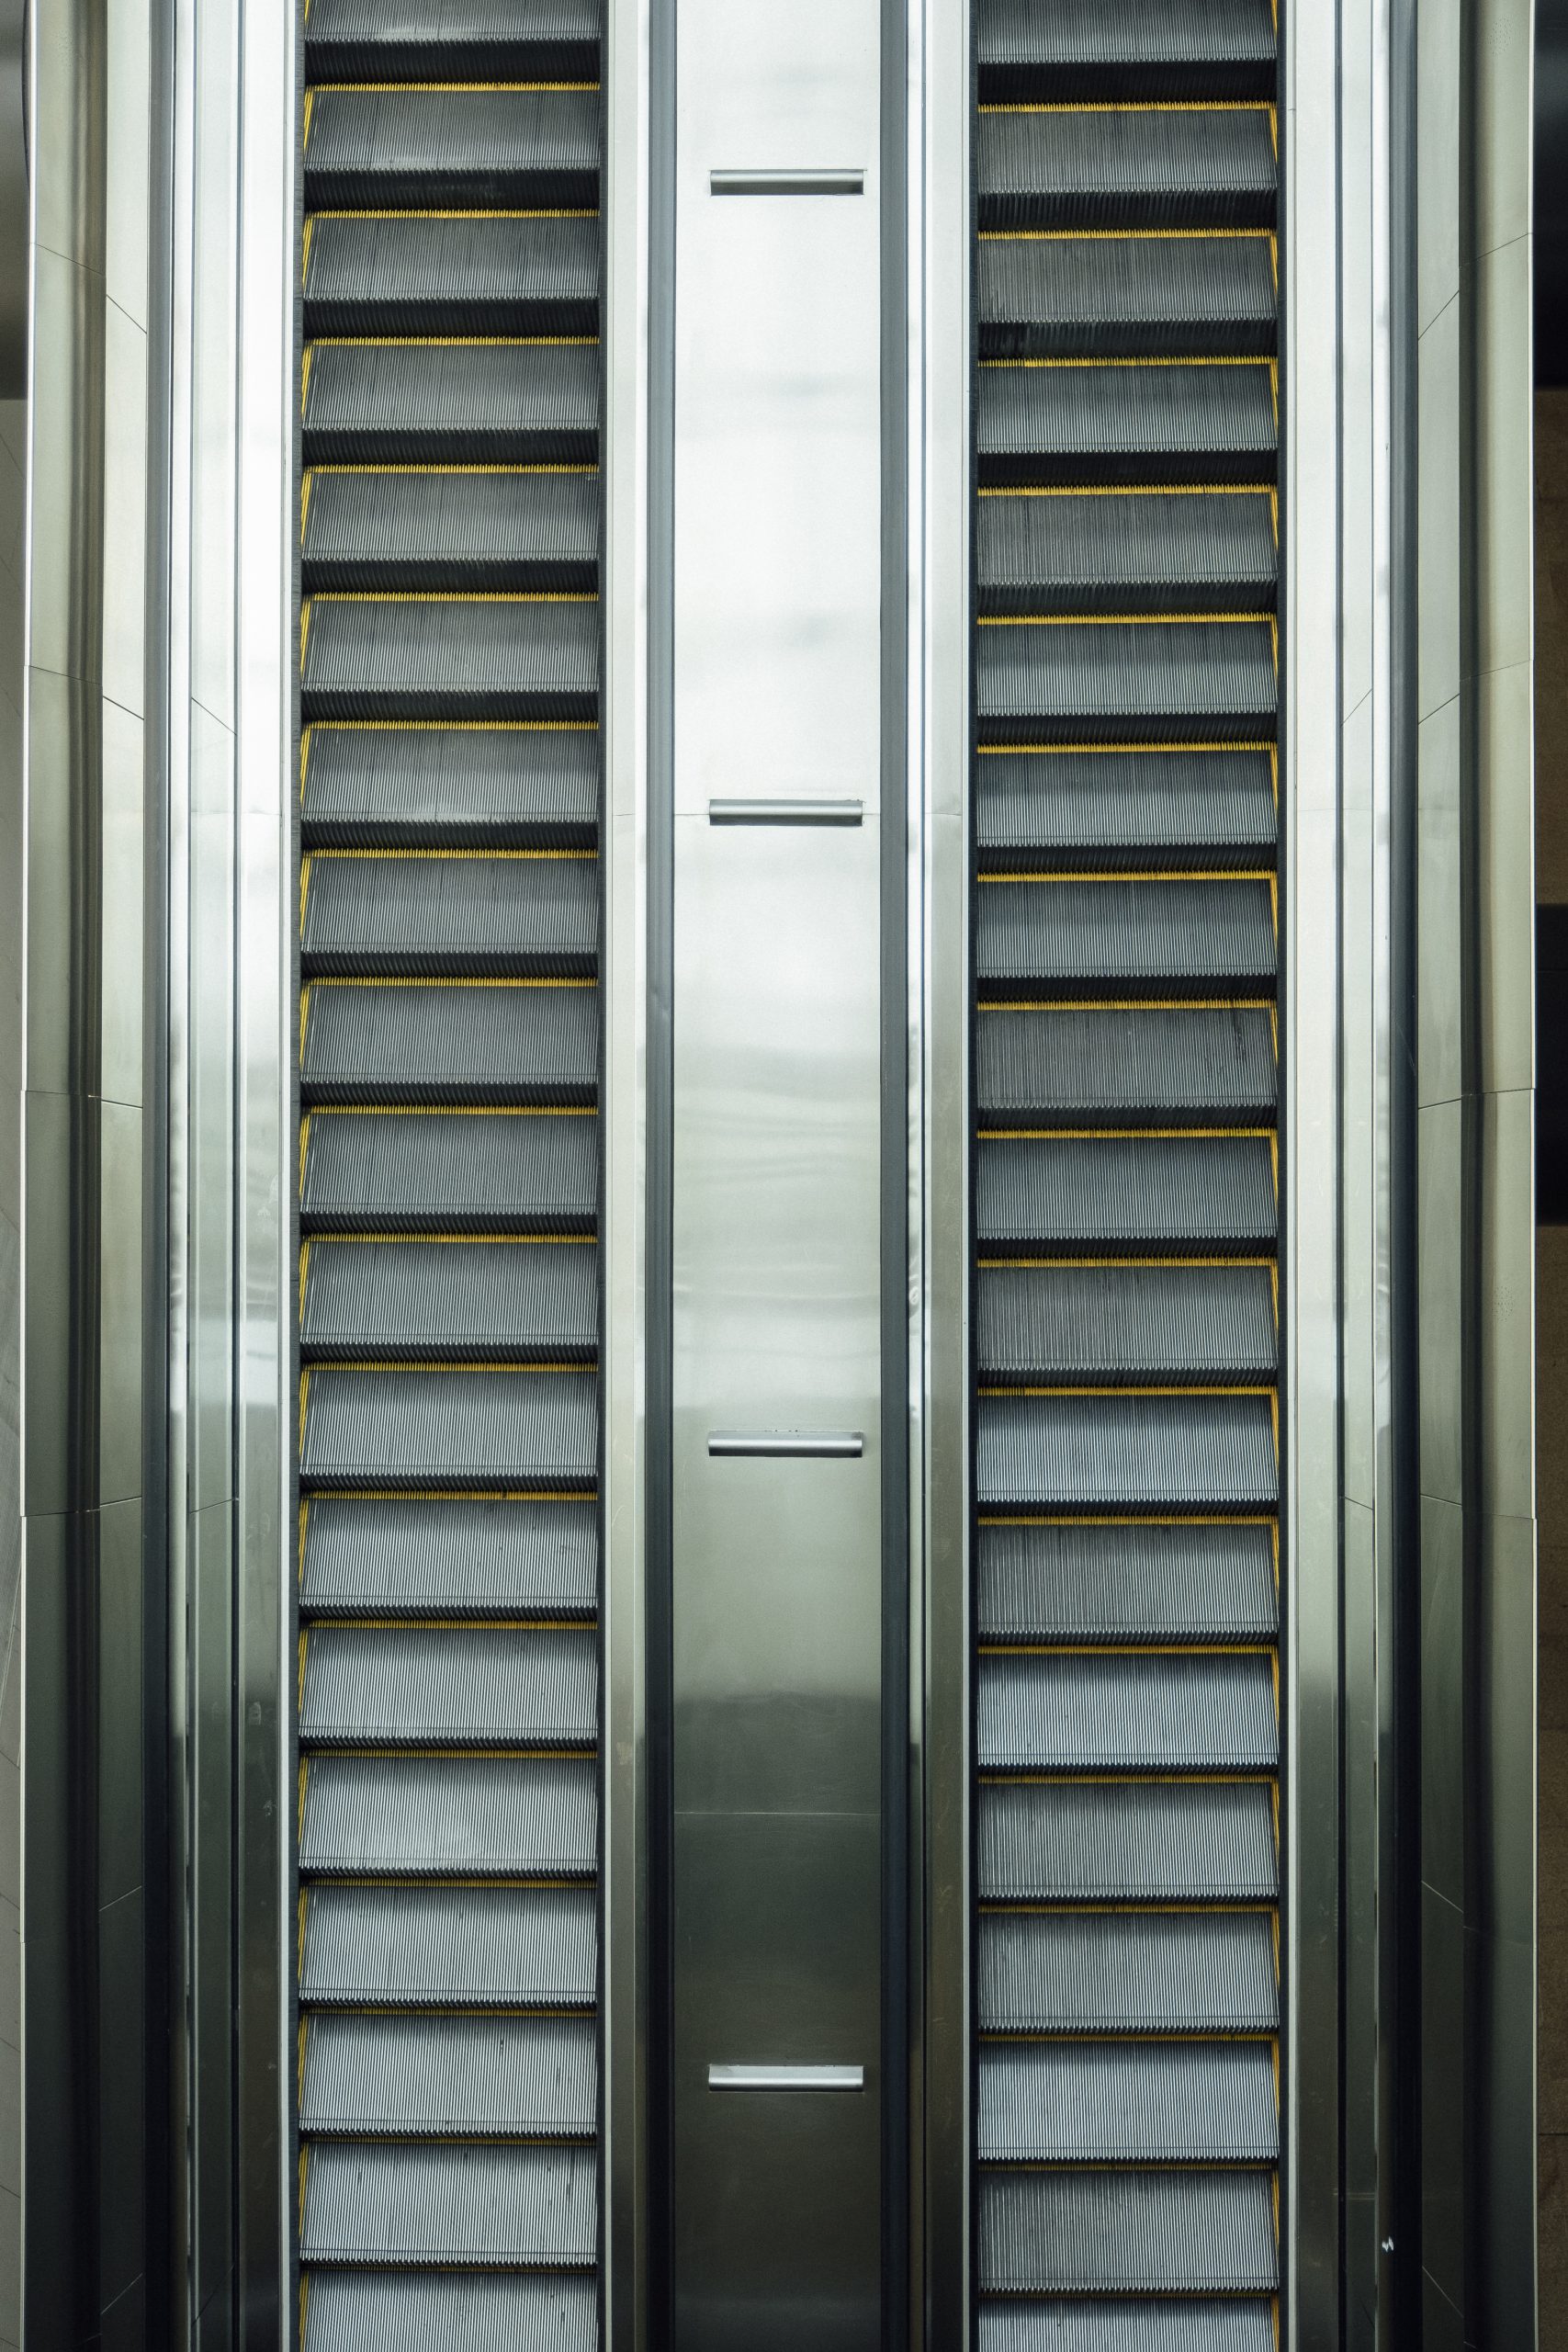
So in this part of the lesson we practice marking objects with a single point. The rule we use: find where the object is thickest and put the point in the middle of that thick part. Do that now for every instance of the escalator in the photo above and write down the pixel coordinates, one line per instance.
(447, 2096)
(1125, 1305)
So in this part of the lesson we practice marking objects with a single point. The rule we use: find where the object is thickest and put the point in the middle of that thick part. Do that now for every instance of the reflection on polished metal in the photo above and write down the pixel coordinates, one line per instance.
(778, 182)
(822, 1445)
(785, 813)
(14, 173)
(786, 2078)
(776, 1176)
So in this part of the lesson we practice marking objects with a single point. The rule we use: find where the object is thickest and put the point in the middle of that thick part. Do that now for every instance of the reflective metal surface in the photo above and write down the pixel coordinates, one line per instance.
(786, 183)
(785, 813)
(15, 175)
(786, 2078)
(784, 1445)
(776, 1180)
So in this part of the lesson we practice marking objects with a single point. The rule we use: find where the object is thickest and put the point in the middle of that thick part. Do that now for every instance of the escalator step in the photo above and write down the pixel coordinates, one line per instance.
(1124, 934)
(1066, 1066)
(413, 786)
(1188, 421)
(426, 144)
(1100, 50)
(1125, 681)
(532, 1302)
(451, 273)
(370, 2201)
(523, 401)
(387, 1556)
(1178, 1453)
(1086, 809)
(1032, 2323)
(406, 914)
(1127, 166)
(1179, 2231)
(511, 1430)
(450, 1687)
(1127, 1971)
(394, 1946)
(429, 657)
(476, 1041)
(1102, 1192)
(450, 1816)
(1171, 1581)
(404, 2311)
(1119, 1711)
(1131, 1841)
(382, 1172)
(1120, 2102)
(451, 528)
(406, 40)
(1105, 550)
(531, 2077)
(1043, 296)
(1120, 1322)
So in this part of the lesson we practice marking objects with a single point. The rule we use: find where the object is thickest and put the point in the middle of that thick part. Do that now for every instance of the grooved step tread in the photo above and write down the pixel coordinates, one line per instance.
(454, 146)
(1104, 1452)
(1102, 1711)
(412, 787)
(1121, 552)
(1072, 1069)
(393, 2076)
(452, 1042)
(1127, 168)
(529, 403)
(1127, 936)
(380, 1555)
(1097, 808)
(1067, 681)
(1126, 1972)
(450, 1687)
(1043, 296)
(1100, 49)
(367, 2201)
(529, 1302)
(451, 273)
(1131, 1841)
(438, 657)
(473, 527)
(1125, 1323)
(1165, 1581)
(1109, 423)
(392, 40)
(434, 1171)
(1158, 1193)
(1177, 2232)
(450, 1816)
(411, 2311)
(506, 1429)
(1127, 2102)
(457, 914)
(401, 1947)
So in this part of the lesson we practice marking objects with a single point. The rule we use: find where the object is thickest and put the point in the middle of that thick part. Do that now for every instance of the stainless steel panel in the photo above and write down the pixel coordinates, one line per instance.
(785, 813)
(777, 1616)
(787, 183)
(786, 2078)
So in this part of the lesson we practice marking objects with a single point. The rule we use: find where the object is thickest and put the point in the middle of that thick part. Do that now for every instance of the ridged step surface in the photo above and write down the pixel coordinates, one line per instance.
(442, 1685)
(1124, 422)
(450, 655)
(458, 1042)
(1040, 2323)
(1180, 2231)
(1082, 936)
(512, 785)
(1043, 296)
(410, 40)
(1214, 1065)
(1127, 2102)
(387, 1556)
(454, 2206)
(518, 913)
(423, 1816)
(535, 1302)
(1056, 1324)
(1100, 49)
(1198, 1452)
(482, 1946)
(1116, 1191)
(1120, 552)
(1176, 681)
(452, 402)
(457, 146)
(1128, 166)
(383, 273)
(452, 2077)
(1131, 1841)
(1066, 810)
(449, 1428)
(1123, 1710)
(529, 528)
(1115, 1972)
(1154, 1580)
(404, 2311)
(394, 1171)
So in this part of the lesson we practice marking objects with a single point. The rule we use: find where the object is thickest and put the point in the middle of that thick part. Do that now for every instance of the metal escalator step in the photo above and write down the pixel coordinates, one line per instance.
(1139, 1452)
(1120, 2102)
(1109, 808)
(436, 787)
(383, 401)
(1125, 1712)
(1102, 49)
(1079, 421)
(1123, 936)
(397, 40)
(432, 657)
(1122, 1323)
(1176, 1580)
(515, 1430)
(386, 1171)
(1067, 681)
(450, 528)
(451, 1042)
(404, 2310)
(450, 1816)
(1158, 1193)
(1177, 2232)
(1127, 1971)
(1063, 1068)
(396, 1947)
(1122, 551)
(1211, 166)
(528, 2208)
(1033, 2323)
(530, 1302)
(371, 1686)
(374, 2076)
(379, 1555)
(458, 912)
(451, 273)
(1128, 1841)
(1042, 295)
(386, 145)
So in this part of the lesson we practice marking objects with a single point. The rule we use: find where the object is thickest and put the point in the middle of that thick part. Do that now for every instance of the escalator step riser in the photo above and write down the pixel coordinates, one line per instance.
(1108, 1972)
(419, 915)
(387, 2076)
(446, 274)
(1125, 681)
(452, 146)
(1097, 808)
(1131, 423)
(1177, 2232)
(499, 1947)
(452, 402)
(415, 786)
(1172, 1582)
(1128, 936)
(1097, 51)
(1127, 168)
(1140, 2102)
(1032, 2323)
(447, 1687)
(444, 528)
(452, 1044)
(1132, 1323)
(1135, 1841)
(390, 1171)
(1116, 551)
(506, 1429)
(386, 1556)
(367, 2201)
(450, 1816)
(1105, 1712)
(1108, 1191)
(1069, 1068)
(400, 657)
(392, 2311)
(1108, 1452)
(1049, 296)
(526, 1301)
